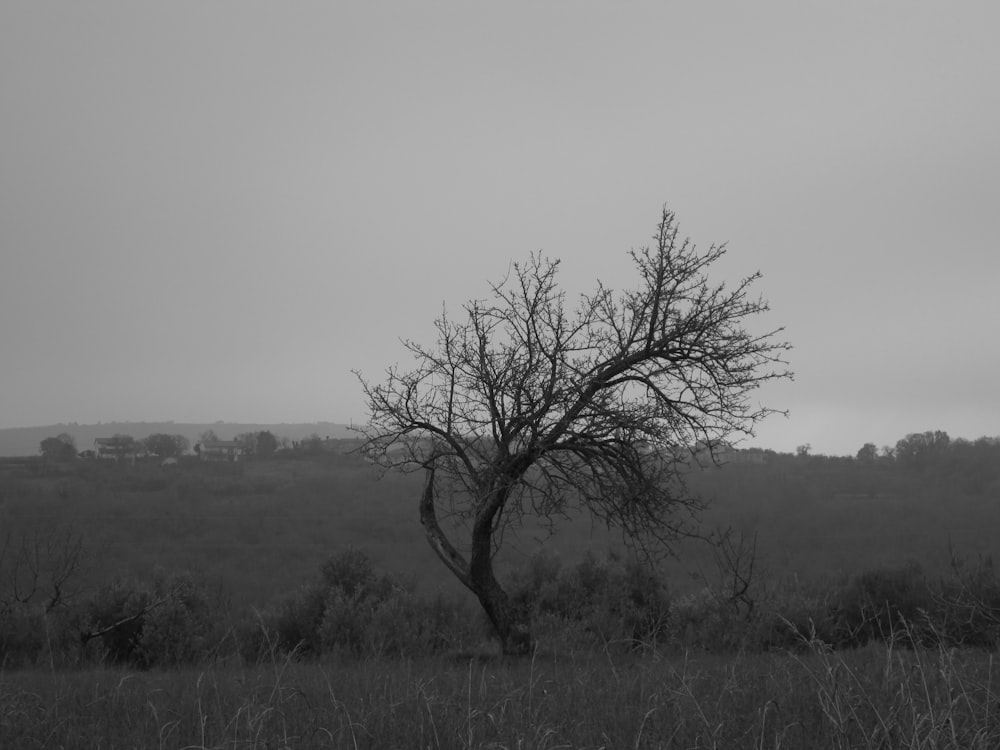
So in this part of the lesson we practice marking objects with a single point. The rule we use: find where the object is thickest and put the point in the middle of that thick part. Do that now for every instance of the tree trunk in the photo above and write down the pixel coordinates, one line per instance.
(512, 626)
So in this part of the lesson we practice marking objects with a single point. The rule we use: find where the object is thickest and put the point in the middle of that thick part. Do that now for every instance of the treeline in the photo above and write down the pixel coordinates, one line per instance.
(23, 441)
(62, 448)
(350, 610)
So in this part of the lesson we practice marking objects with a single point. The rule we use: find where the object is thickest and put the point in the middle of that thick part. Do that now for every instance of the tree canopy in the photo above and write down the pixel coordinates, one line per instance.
(166, 446)
(526, 404)
(59, 448)
(261, 443)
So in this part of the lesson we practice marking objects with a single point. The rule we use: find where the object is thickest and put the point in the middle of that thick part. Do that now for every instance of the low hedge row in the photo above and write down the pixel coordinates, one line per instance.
(352, 610)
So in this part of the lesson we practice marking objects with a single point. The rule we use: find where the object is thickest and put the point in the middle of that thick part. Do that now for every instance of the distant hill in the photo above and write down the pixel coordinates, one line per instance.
(25, 441)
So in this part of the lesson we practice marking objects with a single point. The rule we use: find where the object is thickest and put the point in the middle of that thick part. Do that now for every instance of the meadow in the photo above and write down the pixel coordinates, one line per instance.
(259, 528)
(877, 697)
(292, 602)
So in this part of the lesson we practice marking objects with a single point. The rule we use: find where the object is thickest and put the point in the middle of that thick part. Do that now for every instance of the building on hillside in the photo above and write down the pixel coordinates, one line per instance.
(115, 448)
(220, 450)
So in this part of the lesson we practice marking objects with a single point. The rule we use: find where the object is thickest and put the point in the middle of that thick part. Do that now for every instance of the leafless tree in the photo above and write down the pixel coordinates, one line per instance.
(39, 566)
(735, 562)
(524, 406)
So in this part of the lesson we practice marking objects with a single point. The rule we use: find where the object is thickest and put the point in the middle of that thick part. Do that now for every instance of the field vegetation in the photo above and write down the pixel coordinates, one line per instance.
(877, 697)
(290, 601)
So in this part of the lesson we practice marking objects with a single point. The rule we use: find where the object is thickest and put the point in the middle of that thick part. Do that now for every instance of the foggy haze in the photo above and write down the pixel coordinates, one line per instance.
(216, 211)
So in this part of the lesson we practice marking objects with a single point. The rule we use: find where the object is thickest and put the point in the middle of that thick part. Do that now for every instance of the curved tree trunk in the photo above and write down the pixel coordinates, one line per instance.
(512, 626)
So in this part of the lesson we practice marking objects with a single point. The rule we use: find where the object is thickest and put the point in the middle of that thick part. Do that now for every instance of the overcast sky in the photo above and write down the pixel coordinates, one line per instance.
(216, 210)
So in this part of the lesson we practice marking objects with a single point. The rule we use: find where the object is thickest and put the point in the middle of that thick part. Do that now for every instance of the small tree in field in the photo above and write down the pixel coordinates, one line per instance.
(525, 406)
(166, 446)
(59, 448)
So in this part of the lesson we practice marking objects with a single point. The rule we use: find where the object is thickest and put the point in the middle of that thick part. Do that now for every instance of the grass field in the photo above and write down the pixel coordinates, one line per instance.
(259, 529)
(877, 697)
(256, 532)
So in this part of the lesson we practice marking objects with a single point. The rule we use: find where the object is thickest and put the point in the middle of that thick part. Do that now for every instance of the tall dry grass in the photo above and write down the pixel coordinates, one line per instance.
(877, 697)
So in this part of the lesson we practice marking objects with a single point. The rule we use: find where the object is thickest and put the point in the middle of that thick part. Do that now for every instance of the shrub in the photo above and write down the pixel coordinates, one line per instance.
(22, 636)
(178, 629)
(884, 605)
(345, 621)
(352, 610)
(166, 624)
(607, 599)
(969, 605)
(899, 605)
(794, 617)
(352, 572)
(297, 621)
(645, 601)
(113, 617)
(708, 621)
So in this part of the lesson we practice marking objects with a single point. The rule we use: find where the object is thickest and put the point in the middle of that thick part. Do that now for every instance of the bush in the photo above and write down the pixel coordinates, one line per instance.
(179, 629)
(166, 624)
(887, 604)
(297, 621)
(609, 599)
(22, 636)
(113, 617)
(969, 605)
(352, 572)
(599, 601)
(352, 610)
(898, 605)
(346, 581)
(794, 617)
(32, 635)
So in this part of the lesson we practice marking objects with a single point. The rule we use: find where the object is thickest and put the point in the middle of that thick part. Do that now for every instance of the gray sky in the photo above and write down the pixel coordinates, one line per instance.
(215, 210)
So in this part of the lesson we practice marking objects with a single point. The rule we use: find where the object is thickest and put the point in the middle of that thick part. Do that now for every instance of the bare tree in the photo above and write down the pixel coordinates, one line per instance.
(736, 562)
(524, 406)
(40, 565)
